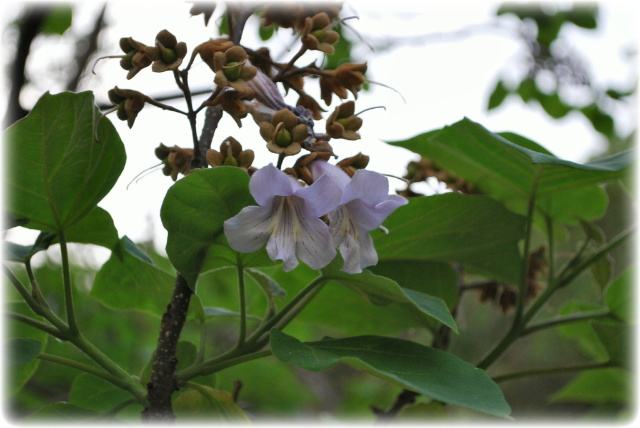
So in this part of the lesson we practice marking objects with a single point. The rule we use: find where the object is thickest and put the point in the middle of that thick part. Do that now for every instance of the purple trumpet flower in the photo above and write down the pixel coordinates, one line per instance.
(365, 203)
(286, 220)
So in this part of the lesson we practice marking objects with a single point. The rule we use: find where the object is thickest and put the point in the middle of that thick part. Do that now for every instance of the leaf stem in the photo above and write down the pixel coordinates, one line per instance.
(243, 306)
(553, 322)
(552, 370)
(220, 364)
(50, 330)
(518, 324)
(292, 309)
(95, 371)
(68, 289)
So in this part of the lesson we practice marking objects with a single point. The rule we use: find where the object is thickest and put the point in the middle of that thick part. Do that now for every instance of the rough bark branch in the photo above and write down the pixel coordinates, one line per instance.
(162, 384)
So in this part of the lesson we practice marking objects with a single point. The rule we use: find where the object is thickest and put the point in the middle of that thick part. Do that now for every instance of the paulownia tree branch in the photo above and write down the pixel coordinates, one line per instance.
(163, 384)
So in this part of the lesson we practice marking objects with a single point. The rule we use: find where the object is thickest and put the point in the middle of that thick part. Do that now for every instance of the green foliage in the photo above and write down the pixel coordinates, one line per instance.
(193, 212)
(455, 228)
(129, 280)
(23, 350)
(58, 172)
(382, 291)
(505, 170)
(204, 403)
(612, 385)
(429, 371)
(58, 20)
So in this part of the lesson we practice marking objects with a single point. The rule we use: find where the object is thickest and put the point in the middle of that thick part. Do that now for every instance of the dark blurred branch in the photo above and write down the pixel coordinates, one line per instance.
(30, 25)
(85, 48)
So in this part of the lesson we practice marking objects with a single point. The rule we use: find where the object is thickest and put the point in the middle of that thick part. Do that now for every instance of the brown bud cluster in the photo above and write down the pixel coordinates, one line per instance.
(354, 163)
(294, 14)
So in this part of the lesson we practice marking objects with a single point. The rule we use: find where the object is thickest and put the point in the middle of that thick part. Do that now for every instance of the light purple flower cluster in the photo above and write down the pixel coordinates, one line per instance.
(288, 221)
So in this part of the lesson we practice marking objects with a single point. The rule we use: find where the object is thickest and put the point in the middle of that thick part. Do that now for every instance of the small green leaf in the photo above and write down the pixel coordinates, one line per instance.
(432, 372)
(193, 212)
(58, 172)
(266, 33)
(498, 95)
(58, 20)
(22, 350)
(383, 291)
(611, 385)
(129, 281)
(204, 403)
(602, 270)
(619, 296)
(615, 339)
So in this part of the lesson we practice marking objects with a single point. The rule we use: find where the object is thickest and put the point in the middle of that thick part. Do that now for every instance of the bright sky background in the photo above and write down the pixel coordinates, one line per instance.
(440, 83)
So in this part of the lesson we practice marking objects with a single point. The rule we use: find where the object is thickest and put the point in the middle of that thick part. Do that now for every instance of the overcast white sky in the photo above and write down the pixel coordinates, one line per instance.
(439, 82)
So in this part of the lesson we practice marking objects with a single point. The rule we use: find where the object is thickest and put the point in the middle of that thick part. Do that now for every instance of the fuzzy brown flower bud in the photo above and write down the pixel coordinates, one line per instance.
(135, 56)
(176, 160)
(317, 34)
(129, 103)
(346, 77)
(284, 134)
(354, 163)
(167, 54)
(230, 154)
(343, 123)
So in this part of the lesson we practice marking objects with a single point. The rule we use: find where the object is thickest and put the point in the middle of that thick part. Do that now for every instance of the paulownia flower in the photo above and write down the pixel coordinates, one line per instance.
(286, 220)
(364, 205)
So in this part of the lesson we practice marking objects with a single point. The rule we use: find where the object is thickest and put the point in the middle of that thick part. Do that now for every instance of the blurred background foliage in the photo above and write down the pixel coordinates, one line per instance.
(274, 389)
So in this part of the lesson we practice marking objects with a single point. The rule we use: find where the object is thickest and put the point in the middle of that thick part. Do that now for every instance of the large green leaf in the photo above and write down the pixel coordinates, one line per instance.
(194, 211)
(434, 278)
(22, 350)
(610, 385)
(58, 172)
(204, 403)
(92, 393)
(432, 372)
(128, 280)
(383, 291)
(505, 168)
(473, 230)
(620, 296)
(20, 374)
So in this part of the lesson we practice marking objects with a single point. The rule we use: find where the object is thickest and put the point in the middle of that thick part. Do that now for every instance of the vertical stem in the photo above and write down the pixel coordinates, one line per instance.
(68, 290)
(281, 157)
(518, 324)
(551, 244)
(524, 273)
(163, 384)
(243, 307)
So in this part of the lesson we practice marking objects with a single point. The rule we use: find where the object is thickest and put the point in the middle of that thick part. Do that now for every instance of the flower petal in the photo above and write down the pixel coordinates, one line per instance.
(368, 255)
(350, 251)
(268, 182)
(248, 231)
(320, 168)
(368, 186)
(321, 197)
(314, 246)
(282, 244)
